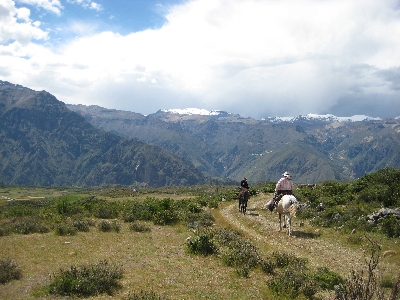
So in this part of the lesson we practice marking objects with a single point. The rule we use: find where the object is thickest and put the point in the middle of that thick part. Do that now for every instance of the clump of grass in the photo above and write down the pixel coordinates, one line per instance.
(139, 227)
(106, 226)
(9, 270)
(87, 280)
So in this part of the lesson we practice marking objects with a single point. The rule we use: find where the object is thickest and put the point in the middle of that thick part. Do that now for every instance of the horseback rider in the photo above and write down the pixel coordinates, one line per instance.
(244, 183)
(244, 187)
(284, 186)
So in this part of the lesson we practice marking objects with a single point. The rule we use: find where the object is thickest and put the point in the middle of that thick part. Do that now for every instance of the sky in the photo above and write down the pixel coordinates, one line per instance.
(256, 58)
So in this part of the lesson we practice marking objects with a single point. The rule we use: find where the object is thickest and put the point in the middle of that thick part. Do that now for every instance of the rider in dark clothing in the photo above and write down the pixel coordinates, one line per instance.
(244, 183)
(244, 187)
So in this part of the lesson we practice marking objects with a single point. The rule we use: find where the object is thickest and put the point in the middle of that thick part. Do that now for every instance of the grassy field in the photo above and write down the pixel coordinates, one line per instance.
(158, 260)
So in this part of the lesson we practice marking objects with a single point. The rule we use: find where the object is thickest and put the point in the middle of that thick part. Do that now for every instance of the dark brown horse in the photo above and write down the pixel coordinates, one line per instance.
(243, 196)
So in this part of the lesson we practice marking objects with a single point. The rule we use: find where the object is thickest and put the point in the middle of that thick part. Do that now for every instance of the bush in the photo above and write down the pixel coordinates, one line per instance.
(139, 227)
(292, 282)
(327, 279)
(81, 225)
(64, 229)
(87, 280)
(29, 225)
(9, 270)
(268, 266)
(107, 226)
(391, 227)
(237, 252)
(202, 244)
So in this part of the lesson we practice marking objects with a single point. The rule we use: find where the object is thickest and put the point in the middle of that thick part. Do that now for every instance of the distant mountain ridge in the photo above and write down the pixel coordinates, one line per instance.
(309, 117)
(312, 147)
(43, 143)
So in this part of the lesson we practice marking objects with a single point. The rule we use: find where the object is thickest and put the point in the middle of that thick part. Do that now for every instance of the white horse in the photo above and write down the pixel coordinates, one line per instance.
(287, 207)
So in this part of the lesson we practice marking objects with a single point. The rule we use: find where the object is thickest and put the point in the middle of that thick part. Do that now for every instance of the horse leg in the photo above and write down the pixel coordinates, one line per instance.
(289, 221)
(284, 221)
(280, 222)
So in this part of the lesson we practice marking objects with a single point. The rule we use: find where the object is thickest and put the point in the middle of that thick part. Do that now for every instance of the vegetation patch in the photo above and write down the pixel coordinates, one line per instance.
(9, 270)
(87, 280)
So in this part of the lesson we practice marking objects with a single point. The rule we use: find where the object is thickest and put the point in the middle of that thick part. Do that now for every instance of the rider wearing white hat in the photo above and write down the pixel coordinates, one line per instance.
(283, 187)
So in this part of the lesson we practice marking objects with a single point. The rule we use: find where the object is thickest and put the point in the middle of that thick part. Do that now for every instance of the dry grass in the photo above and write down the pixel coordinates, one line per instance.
(158, 261)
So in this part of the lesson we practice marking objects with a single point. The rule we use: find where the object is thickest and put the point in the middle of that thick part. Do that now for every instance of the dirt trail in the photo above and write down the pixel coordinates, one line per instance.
(263, 225)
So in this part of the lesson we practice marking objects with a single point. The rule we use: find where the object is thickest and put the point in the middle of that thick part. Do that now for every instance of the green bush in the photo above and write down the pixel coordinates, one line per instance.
(283, 260)
(81, 225)
(9, 270)
(29, 225)
(236, 251)
(165, 217)
(106, 210)
(66, 228)
(391, 227)
(87, 280)
(292, 282)
(327, 279)
(201, 244)
(268, 266)
(106, 226)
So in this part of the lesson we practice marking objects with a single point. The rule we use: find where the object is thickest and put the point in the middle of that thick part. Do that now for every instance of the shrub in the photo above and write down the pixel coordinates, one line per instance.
(106, 210)
(327, 279)
(237, 252)
(139, 227)
(87, 280)
(268, 266)
(292, 282)
(81, 225)
(165, 217)
(283, 260)
(63, 229)
(9, 270)
(29, 225)
(391, 227)
(106, 226)
(201, 244)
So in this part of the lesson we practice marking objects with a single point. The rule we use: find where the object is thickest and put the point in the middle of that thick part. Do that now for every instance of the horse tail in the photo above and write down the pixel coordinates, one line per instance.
(293, 208)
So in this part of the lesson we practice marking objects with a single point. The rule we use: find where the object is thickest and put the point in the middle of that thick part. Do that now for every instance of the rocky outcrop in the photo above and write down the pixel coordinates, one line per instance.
(382, 214)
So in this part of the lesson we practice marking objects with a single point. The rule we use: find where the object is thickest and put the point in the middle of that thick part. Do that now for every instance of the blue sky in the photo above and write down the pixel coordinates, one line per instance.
(258, 58)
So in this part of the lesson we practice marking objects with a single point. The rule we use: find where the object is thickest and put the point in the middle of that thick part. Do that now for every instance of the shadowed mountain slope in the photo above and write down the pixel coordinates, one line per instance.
(44, 143)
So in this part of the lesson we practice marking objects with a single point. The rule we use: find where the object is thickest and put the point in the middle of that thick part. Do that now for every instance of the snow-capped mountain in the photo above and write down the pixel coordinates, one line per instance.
(328, 118)
(194, 111)
(323, 118)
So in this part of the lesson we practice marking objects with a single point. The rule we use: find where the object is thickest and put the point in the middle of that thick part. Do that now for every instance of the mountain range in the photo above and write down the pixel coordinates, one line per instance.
(43, 143)
(312, 148)
(49, 143)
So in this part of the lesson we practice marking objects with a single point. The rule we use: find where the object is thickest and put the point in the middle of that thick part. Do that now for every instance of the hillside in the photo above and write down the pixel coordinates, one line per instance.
(226, 145)
(44, 143)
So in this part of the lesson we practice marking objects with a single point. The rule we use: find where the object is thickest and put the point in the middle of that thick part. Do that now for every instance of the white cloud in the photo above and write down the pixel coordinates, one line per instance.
(16, 28)
(87, 4)
(256, 58)
(49, 5)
